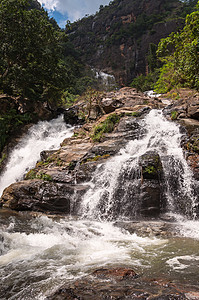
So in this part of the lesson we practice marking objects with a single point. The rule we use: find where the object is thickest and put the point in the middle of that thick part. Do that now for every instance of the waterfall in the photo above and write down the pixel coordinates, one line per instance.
(41, 136)
(115, 188)
(40, 253)
(104, 79)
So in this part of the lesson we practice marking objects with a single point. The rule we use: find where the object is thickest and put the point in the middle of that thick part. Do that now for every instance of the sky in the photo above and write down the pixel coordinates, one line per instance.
(63, 10)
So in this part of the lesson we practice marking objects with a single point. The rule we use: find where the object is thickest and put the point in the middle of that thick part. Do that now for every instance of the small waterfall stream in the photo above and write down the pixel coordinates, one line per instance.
(39, 253)
(42, 136)
(115, 186)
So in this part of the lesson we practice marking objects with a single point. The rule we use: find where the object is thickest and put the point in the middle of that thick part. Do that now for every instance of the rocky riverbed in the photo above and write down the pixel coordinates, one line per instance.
(123, 283)
(56, 257)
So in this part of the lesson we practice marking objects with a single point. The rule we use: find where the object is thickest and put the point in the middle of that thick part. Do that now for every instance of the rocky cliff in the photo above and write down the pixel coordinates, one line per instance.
(120, 38)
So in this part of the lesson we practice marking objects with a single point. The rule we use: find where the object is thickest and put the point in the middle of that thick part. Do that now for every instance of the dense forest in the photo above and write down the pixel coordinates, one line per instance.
(44, 66)
(37, 64)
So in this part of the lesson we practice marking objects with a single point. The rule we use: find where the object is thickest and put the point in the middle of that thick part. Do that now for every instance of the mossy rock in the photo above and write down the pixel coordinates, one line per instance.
(106, 126)
(151, 166)
(33, 174)
(193, 144)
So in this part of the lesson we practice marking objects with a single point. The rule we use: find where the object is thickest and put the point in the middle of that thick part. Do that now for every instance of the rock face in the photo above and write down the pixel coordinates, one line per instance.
(59, 181)
(151, 188)
(37, 195)
(193, 108)
(71, 116)
(21, 106)
(120, 36)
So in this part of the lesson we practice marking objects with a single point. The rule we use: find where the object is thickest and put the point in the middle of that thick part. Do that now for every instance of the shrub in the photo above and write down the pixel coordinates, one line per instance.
(145, 83)
(174, 115)
(105, 127)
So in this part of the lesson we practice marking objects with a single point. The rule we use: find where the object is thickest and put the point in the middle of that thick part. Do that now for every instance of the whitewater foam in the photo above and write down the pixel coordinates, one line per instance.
(45, 135)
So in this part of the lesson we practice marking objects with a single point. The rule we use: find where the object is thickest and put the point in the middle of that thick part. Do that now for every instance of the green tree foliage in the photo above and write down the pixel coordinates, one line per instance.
(30, 63)
(180, 54)
(10, 122)
(37, 62)
(145, 83)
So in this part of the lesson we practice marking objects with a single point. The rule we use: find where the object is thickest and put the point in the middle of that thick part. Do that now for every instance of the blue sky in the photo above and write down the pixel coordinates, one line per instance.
(63, 10)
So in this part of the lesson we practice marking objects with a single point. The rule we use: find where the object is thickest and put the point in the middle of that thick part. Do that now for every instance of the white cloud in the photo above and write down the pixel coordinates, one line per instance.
(49, 4)
(75, 9)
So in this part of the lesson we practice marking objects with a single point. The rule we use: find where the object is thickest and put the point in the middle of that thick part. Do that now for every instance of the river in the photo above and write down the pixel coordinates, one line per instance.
(38, 253)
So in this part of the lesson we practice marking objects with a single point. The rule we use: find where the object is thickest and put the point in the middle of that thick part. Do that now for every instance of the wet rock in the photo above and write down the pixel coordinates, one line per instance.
(74, 149)
(193, 108)
(193, 142)
(150, 228)
(108, 147)
(75, 163)
(41, 195)
(46, 153)
(129, 124)
(140, 190)
(191, 145)
(193, 161)
(151, 189)
(121, 283)
(151, 166)
(117, 274)
(72, 116)
(150, 198)
(86, 169)
(187, 106)
(189, 124)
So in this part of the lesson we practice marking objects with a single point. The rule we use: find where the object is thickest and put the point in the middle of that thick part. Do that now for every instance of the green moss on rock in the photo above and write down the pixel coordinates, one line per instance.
(106, 126)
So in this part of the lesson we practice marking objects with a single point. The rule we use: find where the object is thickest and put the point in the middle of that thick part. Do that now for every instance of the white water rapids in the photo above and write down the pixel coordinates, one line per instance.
(38, 254)
(164, 138)
(42, 136)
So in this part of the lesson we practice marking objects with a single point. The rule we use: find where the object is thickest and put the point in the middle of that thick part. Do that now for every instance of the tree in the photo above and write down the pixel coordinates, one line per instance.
(30, 63)
(180, 54)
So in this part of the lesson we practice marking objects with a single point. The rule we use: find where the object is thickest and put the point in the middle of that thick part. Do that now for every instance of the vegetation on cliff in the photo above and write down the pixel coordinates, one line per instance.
(120, 38)
(178, 55)
(105, 127)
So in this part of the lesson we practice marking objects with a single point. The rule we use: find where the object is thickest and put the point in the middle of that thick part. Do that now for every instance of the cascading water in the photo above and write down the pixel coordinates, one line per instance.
(115, 187)
(38, 254)
(44, 135)
(106, 80)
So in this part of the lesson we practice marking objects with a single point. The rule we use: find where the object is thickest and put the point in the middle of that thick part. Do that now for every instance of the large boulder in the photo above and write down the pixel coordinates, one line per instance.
(110, 104)
(151, 187)
(193, 107)
(72, 116)
(38, 195)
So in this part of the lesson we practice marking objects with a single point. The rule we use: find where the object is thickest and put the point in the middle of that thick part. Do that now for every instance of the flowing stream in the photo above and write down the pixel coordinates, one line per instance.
(39, 253)
(121, 174)
(42, 136)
